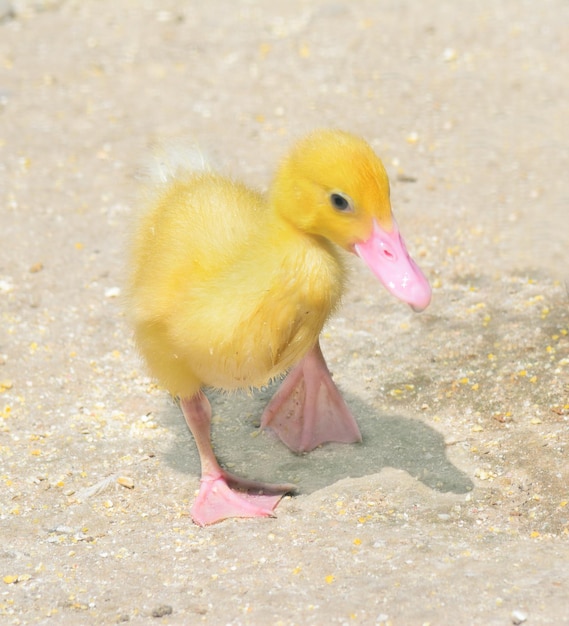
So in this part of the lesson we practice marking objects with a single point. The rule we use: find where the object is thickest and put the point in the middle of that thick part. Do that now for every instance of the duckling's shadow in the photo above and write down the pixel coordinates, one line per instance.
(388, 441)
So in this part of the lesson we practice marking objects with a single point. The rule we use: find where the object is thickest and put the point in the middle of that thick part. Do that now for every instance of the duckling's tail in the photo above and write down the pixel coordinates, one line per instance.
(174, 161)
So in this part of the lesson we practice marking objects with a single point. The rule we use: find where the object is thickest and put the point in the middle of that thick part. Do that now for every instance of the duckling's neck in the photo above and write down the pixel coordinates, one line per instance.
(289, 239)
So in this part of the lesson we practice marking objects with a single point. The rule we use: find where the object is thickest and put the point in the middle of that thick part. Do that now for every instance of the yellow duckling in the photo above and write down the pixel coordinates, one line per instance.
(231, 288)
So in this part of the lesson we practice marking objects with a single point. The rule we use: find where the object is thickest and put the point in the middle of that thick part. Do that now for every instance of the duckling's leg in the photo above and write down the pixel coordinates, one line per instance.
(308, 409)
(216, 499)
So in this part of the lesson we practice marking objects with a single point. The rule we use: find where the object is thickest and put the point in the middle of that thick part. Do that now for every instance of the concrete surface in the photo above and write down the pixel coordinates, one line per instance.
(455, 508)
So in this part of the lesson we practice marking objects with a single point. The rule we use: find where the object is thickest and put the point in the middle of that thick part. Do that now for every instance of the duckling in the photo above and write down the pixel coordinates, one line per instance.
(230, 288)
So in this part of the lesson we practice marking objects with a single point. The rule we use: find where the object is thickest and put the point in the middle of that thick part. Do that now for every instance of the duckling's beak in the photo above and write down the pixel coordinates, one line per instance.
(387, 257)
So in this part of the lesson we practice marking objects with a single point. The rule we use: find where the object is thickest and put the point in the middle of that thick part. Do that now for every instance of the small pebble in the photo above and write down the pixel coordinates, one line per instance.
(6, 286)
(112, 292)
(518, 617)
(62, 530)
(162, 610)
(6, 10)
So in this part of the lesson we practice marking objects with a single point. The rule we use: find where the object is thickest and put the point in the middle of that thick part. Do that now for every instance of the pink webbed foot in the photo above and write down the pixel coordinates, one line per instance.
(308, 410)
(217, 500)
(221, 494)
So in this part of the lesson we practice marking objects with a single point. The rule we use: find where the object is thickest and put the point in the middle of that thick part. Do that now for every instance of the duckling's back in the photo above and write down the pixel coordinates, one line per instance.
(193, 229)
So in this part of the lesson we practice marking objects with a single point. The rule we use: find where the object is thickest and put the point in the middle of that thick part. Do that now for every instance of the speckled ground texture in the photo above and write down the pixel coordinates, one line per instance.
(455, 509)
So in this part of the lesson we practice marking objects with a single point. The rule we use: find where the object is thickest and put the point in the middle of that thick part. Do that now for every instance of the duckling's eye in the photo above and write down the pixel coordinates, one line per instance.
(340, 202)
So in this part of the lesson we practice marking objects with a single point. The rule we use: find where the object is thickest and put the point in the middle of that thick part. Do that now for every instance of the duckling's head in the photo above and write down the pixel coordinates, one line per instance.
(333, 185)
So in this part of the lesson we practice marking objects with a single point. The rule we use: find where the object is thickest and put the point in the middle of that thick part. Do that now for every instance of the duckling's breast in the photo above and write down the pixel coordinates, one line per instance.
(257, 324)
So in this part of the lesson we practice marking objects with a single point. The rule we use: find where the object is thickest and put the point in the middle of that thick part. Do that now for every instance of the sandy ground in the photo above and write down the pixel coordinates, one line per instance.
(455, 509)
